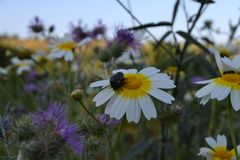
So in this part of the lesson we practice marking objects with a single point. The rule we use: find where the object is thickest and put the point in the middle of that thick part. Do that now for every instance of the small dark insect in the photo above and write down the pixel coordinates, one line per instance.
(117, 80)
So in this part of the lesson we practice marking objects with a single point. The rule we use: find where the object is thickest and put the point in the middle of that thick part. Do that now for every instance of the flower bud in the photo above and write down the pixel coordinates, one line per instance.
(77, 94)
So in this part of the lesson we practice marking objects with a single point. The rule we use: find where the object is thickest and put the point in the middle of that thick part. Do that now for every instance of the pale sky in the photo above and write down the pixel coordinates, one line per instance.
(16, 14)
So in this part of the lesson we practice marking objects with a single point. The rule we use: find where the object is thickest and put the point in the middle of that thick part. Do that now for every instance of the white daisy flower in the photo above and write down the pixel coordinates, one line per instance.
(22, 65)
(227, 84)
(127, 91)
(63, 48)
(218, 150)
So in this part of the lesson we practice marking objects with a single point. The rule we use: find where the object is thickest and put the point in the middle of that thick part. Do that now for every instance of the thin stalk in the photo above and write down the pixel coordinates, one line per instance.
(89, 113)
(118, 138)
(231, 129)
(162, 156)
(212, 118)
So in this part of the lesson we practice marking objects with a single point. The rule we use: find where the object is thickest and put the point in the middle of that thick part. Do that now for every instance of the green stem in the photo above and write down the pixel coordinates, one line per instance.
(118, 135)
(231, 129)
(114, 148)
(90, 113)
(212, 118)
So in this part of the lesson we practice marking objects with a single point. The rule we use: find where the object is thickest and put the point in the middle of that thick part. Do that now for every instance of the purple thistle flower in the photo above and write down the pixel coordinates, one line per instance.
(54, 113)
(31, 88)
(106, 120)
(55, 116)
(99, 29)
(36, 25)
(78, 33)
(70, 133)
(126, 37)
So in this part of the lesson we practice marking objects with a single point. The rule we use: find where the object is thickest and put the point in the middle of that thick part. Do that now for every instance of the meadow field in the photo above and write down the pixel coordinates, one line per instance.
(129, 95)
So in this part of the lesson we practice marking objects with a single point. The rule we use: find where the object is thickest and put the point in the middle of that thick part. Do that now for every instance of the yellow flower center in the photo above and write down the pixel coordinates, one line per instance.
(221, 153)
(135, 85)
(68, 46)
(231, 80)
(133, 81)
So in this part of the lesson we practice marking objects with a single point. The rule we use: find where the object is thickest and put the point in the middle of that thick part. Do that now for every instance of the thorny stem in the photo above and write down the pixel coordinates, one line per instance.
(231, 129)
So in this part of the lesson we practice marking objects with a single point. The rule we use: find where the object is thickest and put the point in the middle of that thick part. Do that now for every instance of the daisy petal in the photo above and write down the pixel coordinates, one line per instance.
(164, 84)
(211, 142)
(133, 112)
(204, 151)
(159, 77)
(103, 96)
(205, 90)
(119, 70)
(220, 92)
(203, 82)
(120, 107)
(218, 61)
(161, 95)
(235, 99)
(132, 71)
(205, 99)
(68, 56)
(100, 83)
(222, 140)
(149, 71)
(148, 107)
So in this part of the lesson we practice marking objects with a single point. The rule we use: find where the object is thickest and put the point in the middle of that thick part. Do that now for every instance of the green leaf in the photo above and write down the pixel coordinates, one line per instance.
(149, 25)
(190, 39)
(175, 10)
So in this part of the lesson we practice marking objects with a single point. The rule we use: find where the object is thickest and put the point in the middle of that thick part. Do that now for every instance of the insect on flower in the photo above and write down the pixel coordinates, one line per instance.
(127, 91)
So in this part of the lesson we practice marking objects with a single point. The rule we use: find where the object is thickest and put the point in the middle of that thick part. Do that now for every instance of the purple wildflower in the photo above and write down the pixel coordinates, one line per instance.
(36, 25)
(56, 116)
(54, 113)
(78, 33)
(32, 75)
(106, 120)
(126, 37)
(99, 29)
(31, 88)
(195, 79)
(69, 132)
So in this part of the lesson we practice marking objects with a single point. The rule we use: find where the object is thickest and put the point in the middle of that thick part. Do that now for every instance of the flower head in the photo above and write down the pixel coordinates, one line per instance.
(227, 84)
(218, 150)
(36, 25)
(99, 29)
(126, 38)
(106, 120)
(55, 116)
(22, 65)
(70, 133)
(78, 33)
(64, 48)
(127, 91)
